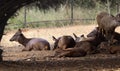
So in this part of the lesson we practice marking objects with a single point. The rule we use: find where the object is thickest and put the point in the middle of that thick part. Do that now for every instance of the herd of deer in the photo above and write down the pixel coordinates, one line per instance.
(102, 37)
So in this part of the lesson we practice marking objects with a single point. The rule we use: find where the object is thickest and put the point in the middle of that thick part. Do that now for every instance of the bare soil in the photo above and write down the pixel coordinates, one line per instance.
(44, 61)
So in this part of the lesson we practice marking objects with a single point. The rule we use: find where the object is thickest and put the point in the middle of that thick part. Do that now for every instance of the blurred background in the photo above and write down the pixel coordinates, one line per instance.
(71, 13)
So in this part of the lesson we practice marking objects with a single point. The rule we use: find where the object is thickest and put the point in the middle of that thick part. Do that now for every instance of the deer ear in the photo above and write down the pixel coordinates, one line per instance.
(54, 39)
(82, 35)
(75, 35)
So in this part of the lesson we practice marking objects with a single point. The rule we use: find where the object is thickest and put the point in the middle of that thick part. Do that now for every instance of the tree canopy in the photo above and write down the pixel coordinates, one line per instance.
(93, 3)
(9, 7)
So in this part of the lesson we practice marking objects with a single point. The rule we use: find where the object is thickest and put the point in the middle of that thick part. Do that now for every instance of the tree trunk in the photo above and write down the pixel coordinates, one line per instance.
(2, 26)
(7, 10)
(9, 7)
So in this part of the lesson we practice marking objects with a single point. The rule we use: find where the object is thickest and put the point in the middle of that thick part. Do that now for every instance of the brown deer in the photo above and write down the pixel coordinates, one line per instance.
(80, 49)
(64, 42)
(30, 43)
(111, 48)
(94, 38)
(97, 36)
(107, 24)
(91, 42)
(94, 33)
(99, 18)
(87, 46)
(70, 52)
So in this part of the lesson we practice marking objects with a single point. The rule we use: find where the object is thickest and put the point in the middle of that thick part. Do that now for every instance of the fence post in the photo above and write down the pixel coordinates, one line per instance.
(25, 17)
(108, 6)
(118, 8)
(71, 20)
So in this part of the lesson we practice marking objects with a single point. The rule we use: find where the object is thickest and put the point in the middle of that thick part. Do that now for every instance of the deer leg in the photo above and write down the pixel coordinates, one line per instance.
(64, 47)
(110, 37)
(63, 54)
(46, 47)
(27, 49)
(99, 30)
(102, 31)
(112, 52)
(68, 49)
(58, 51)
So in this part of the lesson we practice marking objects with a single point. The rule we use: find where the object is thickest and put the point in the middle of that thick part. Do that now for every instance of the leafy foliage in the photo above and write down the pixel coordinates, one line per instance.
(84, 3)
(9, 7)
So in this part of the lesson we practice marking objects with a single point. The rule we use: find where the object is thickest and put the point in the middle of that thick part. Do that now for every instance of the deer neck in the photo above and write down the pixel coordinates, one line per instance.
(24, 40)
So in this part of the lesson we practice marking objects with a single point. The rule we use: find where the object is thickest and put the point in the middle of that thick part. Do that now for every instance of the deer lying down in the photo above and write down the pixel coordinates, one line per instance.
(80, 49)
(92, 40)
(82, 38)
(111, 48)
(70, 52)
(64, 42)
(90, 44)
(30, 43)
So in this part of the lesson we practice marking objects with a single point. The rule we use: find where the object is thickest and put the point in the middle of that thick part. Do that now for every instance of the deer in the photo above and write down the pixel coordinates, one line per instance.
(70, 52)
(97, 36)
(64, 42)
(30, 43)
(94, 37)
(111, 48)
(91, 42)
(64, 47)
(107, 24)
(81, 49)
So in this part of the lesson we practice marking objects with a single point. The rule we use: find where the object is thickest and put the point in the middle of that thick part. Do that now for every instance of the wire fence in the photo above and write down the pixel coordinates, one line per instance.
(71, 19)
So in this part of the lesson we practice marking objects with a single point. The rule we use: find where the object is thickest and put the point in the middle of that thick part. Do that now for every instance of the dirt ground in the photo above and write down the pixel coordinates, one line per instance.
(16, 60)
(43, 61)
